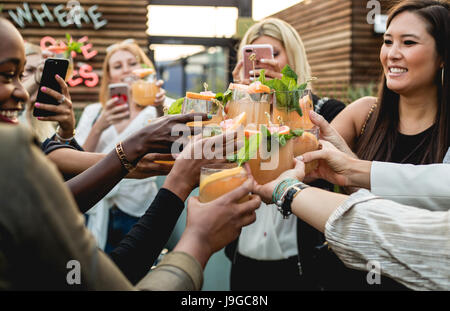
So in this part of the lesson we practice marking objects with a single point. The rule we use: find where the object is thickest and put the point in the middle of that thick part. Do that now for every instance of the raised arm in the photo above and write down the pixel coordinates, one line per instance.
(98, 180)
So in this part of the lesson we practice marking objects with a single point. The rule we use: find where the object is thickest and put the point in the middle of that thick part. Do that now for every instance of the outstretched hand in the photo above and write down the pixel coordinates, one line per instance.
(266, 191)
(338, 167)
(328, 133)
(211, 226)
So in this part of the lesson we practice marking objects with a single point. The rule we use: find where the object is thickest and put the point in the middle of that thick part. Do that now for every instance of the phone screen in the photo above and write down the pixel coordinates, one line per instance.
(52, 67)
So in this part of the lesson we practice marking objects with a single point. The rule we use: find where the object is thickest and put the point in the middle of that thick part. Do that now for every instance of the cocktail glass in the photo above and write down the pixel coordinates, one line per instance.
(272, 159)
(219, 179)
(144, 89)
(194, 102)
(256, 106)
(292, 108)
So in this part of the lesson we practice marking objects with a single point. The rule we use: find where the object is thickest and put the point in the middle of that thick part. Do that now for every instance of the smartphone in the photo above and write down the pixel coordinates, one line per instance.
(52, 67)
(120, 91)
(261, 51)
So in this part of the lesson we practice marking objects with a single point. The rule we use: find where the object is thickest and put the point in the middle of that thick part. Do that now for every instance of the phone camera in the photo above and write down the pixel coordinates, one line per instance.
(248, 51)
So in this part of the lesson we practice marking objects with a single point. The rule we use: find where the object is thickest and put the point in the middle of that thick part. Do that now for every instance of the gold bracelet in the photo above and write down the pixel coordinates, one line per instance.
(123, 158)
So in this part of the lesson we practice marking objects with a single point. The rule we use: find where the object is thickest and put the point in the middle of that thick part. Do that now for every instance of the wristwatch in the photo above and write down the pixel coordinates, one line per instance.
(289, 196)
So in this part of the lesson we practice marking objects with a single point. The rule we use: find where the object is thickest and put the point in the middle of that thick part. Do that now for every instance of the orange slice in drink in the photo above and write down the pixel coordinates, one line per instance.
(232, 124)
(220, 183)
(306, 105)
(202, 95)
(238, 86)
(143, 72)
(258, 87)
(56, 49)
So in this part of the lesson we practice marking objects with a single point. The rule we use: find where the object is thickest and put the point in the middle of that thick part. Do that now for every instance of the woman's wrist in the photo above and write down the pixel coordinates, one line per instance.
(177, 183)
(359, 175)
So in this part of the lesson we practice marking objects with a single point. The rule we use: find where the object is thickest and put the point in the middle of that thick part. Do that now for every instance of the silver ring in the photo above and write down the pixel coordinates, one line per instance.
(62, 99)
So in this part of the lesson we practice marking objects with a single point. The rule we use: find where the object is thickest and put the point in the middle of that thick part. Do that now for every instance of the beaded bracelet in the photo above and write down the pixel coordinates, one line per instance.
(281, 188)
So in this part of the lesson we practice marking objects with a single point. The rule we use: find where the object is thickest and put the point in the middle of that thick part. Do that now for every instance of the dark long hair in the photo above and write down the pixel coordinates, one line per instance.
(378, 141)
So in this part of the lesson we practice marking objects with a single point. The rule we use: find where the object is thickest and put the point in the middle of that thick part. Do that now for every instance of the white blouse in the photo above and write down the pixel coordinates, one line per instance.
(132, 196)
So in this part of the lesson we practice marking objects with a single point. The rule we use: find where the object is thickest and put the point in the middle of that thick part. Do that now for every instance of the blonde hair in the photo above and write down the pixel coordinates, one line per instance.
(288, 36)
(134, 49)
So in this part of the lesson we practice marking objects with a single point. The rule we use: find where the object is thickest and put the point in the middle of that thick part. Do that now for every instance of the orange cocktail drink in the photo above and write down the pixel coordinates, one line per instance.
(219, 179)
(255, 100)
(292, 108)
(144, 89)
(272, 158)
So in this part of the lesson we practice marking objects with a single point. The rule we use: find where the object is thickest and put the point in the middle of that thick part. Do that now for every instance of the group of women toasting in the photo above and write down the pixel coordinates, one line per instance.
(108, 170)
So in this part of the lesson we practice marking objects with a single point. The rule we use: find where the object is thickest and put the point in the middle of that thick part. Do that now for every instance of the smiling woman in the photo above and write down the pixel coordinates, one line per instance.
(12, 62)
(410, 120)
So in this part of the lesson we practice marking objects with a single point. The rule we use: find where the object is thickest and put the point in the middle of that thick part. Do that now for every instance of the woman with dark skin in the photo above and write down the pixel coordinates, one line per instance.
(46, 195)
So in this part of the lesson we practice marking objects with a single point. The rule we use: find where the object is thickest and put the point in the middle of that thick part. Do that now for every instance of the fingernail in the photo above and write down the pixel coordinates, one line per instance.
(210, 116)
(37, 105)
(39, 118)
(262, 60)
(251, 79)
(250, 72)
(300, 158)
(43, 88)
(57, 75)
(313, 114)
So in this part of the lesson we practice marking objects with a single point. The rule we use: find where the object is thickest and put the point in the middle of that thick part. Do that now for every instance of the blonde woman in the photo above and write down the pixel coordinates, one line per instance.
(266, 255)
(101, 127)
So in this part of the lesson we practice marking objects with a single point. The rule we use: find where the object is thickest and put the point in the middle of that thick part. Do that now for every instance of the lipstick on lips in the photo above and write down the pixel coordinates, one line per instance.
(9, 116)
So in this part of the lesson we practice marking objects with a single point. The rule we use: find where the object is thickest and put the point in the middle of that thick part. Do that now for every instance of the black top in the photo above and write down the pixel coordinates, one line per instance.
(143, 244)
(50, 144)
(410, 148)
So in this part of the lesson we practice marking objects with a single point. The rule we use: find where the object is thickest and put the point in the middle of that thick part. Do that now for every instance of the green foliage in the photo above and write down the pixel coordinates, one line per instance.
(224, 97)
(72, 46)
(175, 108)
(247, 152)
(287, 90)
(355, 92)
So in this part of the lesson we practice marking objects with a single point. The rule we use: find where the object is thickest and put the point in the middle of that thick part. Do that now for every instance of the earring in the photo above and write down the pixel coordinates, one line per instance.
(442, 76)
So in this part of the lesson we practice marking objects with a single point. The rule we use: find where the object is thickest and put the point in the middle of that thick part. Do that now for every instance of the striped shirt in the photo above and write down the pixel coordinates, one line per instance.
(410, 245)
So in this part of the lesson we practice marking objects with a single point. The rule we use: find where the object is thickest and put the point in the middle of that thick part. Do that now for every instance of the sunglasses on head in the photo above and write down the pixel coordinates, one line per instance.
(126, 41)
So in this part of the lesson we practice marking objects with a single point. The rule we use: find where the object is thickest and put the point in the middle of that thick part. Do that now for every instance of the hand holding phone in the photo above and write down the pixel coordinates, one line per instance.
(52, 67)
(261, 51)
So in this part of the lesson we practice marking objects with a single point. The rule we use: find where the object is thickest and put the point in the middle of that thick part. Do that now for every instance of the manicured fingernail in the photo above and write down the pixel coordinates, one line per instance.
(37, 105)
(262, 60)
(210, 116)
(57, 75)
(300, 158)
(43, 88)
(250, 72)
(39, 118)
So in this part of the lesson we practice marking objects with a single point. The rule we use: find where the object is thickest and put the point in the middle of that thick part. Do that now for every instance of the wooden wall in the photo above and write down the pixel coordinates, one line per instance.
(341, 46)
(126, 19)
